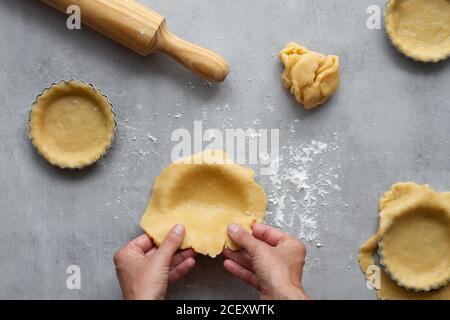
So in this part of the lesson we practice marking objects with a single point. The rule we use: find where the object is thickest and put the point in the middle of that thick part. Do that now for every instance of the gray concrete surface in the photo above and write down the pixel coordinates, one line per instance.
(389, 122)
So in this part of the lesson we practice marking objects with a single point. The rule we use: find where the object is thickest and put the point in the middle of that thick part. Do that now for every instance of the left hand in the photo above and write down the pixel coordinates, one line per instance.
(145, 271)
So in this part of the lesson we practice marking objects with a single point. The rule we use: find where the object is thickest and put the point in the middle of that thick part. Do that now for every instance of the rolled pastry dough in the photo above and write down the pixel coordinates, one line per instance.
(389, 289)
(310, 76)
(414, 235)
(205, 192)
(420, 28)
(72, 124)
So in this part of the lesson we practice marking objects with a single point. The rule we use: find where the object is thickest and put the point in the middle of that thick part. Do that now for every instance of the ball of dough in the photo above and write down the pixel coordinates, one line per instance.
(310, 76)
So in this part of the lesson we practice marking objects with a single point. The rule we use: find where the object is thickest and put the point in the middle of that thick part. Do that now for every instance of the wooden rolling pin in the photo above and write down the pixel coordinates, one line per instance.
(144, 31)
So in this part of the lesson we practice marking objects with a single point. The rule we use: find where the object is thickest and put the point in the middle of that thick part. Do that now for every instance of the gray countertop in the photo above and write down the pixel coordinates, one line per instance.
(389, 122)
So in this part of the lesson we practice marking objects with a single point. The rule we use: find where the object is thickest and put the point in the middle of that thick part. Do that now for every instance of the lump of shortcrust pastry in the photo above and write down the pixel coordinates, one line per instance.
(310, 76)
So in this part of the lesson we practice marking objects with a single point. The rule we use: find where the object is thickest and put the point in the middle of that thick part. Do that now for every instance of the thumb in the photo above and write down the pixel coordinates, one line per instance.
(243, 239)
(170, 245)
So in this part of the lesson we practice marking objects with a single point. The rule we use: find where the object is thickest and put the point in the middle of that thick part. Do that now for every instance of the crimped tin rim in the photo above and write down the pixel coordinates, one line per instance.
(397, 46)
(114, 131)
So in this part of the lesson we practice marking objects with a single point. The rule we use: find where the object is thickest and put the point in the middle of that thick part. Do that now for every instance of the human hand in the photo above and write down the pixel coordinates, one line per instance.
(269, 260)
(144, 270)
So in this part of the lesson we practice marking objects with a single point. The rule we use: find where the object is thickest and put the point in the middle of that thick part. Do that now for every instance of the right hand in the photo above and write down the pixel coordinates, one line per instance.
(269, 260)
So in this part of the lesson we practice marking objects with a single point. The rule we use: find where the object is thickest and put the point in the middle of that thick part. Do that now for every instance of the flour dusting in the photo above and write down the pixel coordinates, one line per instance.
(300, 187)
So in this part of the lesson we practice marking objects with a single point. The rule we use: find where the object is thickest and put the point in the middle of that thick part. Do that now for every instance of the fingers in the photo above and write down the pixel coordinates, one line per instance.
(268, 234)
(151, 252)
(177, 258)
(144, 242)
(242, 238)
(240, 257)
(170, 245)
(181, 256)
(181, 269)
(134, 248)
(241, 273)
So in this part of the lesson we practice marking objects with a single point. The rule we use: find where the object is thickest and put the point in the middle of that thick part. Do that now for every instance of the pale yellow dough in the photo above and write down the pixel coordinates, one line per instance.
(414, 235)
(205, 192)
(71, 124)
(420, 28)
(310, 76)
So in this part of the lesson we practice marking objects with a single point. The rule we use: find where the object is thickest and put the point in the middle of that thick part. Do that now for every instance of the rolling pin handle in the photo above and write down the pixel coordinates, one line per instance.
(203, 62)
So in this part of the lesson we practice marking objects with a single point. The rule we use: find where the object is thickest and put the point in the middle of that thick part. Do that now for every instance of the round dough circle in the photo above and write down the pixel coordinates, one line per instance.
(205, 192)
(420, 28)
(72, 124)
(415, 248)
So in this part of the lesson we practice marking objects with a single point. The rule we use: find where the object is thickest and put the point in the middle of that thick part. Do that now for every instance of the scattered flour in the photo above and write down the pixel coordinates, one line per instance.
(189, 86)
(300, 187)
(138, 141)
(208, 84)
(151, 138)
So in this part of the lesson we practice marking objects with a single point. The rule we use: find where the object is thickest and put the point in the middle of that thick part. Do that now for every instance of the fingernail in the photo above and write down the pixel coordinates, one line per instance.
(233, 228)
(178, 229)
